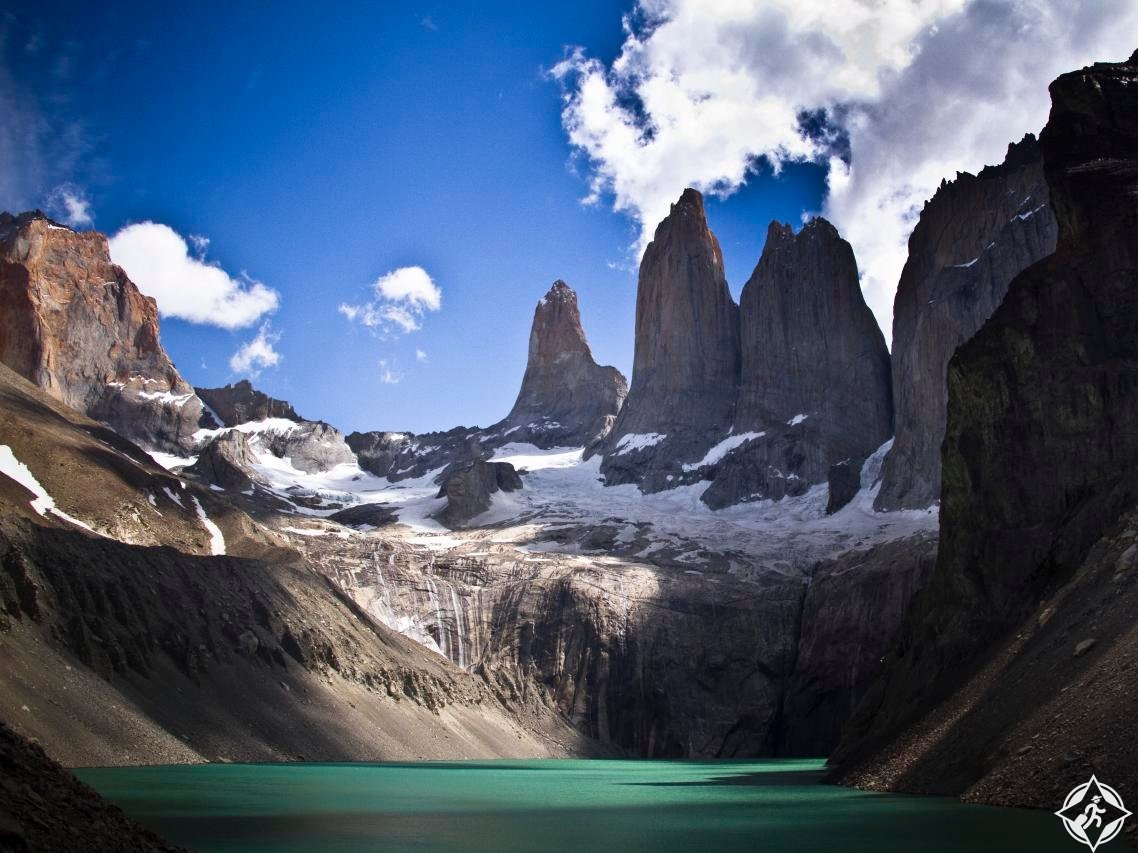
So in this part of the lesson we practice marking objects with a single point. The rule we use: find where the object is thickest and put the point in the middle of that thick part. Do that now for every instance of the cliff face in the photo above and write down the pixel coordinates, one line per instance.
(566, 398)
(74, 324)
(1029, 612)
(815, 387)
(685, 370)
(976, 234)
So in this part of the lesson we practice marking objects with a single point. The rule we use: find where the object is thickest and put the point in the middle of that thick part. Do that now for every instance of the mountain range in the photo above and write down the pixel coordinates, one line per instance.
(779, 539)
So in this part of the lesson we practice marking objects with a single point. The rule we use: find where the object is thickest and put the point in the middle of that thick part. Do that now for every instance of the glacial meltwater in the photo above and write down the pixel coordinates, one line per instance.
(577, 806)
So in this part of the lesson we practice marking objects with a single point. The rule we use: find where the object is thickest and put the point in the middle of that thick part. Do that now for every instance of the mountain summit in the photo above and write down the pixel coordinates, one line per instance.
(566, 398)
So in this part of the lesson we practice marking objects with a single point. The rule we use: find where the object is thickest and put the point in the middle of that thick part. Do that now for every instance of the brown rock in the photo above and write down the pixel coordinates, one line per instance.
(74, 324)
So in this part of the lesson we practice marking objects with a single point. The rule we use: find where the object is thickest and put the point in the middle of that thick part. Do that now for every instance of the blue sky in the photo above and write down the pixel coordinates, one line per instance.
(320, 150)
(321, 147)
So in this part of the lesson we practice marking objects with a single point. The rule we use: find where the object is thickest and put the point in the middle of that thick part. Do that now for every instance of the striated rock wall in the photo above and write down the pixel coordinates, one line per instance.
(74, 324)
(974, 236)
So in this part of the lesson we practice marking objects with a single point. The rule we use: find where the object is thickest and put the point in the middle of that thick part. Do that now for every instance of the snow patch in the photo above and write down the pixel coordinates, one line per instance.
(533, 458)
(169, 461)
(725, 447)
(216, 539)
(638, 441)
(796, 420)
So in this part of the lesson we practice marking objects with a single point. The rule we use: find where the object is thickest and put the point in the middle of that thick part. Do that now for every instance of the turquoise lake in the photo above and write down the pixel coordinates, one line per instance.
(553, 806)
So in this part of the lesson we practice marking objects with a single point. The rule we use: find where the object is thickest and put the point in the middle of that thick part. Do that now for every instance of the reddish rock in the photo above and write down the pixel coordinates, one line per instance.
(74, 324)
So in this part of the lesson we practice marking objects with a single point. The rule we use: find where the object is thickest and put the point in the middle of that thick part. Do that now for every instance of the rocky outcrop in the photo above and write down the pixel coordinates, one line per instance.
(470, 489)
(815, 386)
(844, 481)
(74, 324)
(974, 236)
(994, 689)
(240, 403)
(310, 446)
(685, 371)
(404, 456)
(566, 398)
(44, 807)
(227, 461)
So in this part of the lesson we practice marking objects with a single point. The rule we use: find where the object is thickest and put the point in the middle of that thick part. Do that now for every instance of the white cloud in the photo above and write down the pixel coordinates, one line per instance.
(257, 354)
(70, 204)
(421, 355)
(906, 91)
(387, 374)
(158, 260)
(401, 299)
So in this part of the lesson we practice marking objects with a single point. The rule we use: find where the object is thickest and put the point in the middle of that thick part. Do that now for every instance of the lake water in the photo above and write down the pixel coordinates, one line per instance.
(577, 806)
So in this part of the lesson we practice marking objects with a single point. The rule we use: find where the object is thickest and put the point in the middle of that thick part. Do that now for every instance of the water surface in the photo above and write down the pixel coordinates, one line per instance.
(578, 806)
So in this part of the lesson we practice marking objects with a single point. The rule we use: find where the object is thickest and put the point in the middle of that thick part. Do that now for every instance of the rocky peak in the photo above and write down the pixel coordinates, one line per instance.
(686, 362)
(974, 236)
(566, 398)
(815, 386)
(240, 403)
(73, 323)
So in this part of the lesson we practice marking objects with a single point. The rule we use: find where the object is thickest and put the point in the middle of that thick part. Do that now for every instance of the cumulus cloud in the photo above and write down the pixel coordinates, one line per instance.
(402, 297)
(387, 374)
(257, 354)
(890, 97)
(159, 261)
(70, 204)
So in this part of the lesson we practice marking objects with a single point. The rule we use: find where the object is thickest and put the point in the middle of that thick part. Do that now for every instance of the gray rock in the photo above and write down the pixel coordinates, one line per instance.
(312, 446)
(226, 461)
(469, 489)
(686, 364)
(815, 370)
(974, 236)
(240, 403)
(1040, 476)
(844, 482)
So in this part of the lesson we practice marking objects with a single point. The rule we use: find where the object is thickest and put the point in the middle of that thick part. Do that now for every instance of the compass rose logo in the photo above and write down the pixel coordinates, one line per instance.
(1093, 813)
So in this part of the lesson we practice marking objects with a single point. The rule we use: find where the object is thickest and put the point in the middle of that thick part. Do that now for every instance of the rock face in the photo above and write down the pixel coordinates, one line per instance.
(311, 446)
(402, 455)
(566, 398)
(685, 370)
(974, 236)
(74, 324)
(815, 387)
(991, 681)
(241, 402)
(470, 488)
(227, 461)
